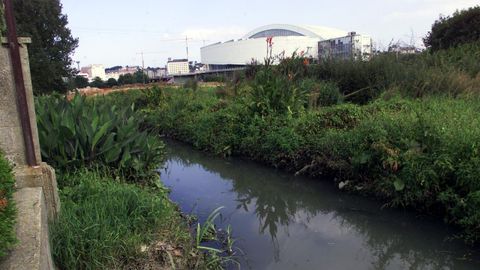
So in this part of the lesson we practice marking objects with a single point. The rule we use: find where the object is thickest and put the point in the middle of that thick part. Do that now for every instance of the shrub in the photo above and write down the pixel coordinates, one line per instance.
(126, 79)
(81, 133)
(7, 207)
(111, 82)
(214, 78)
(97, 82)
(322, 93)
(274, 92)
(80, 82)
(450, 72)
(124, 99)
(191, 84)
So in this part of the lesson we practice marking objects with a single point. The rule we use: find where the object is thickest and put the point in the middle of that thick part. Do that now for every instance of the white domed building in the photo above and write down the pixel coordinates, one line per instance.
(253, 46)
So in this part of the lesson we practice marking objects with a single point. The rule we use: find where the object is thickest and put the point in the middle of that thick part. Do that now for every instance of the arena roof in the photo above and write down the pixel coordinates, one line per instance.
(294, 30)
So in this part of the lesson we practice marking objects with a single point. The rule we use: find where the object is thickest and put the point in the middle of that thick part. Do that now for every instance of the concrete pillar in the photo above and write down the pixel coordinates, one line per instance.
(36, 197)
(10, 127)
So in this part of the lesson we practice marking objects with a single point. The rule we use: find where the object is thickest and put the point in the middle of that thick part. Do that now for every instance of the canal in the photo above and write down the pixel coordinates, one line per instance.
(282, 221)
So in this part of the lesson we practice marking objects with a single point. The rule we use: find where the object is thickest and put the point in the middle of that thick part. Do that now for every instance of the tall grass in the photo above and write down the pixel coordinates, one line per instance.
(449, 72)
(104, 223)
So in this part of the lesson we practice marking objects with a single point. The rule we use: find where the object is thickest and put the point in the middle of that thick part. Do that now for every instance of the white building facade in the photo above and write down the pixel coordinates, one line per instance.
(286, 39)
(178, 67)
(93, 71)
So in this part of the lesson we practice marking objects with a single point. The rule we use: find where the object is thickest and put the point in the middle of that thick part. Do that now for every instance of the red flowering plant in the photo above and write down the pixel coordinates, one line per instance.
(269, 59)
(294, 67)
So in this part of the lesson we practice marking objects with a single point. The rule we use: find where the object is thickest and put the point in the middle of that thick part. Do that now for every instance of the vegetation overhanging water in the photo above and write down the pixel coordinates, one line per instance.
(283, 221)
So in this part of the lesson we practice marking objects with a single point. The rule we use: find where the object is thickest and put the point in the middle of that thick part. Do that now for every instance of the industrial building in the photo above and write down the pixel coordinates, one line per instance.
(178, 67)
(286, 39)
(353, 46)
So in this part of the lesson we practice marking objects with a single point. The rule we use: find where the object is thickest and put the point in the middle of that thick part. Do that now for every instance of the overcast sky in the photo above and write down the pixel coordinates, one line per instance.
(114, 32)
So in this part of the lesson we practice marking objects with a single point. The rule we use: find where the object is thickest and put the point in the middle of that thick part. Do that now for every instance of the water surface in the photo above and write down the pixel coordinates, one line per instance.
(287, 222)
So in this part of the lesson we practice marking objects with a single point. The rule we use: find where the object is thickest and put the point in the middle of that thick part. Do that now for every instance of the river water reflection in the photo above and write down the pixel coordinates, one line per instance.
(287, 222)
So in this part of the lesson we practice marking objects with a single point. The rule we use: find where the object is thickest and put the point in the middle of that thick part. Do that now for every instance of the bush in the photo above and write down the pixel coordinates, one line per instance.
(81, 133)
(80, 82)
(7, 207)
(322, 93)
(140, 77)
(277, 93)
(126, 79)
(103, 223)
(124, 99)
(97, 82)
(111, 82)
(214, 78)
(191, 84)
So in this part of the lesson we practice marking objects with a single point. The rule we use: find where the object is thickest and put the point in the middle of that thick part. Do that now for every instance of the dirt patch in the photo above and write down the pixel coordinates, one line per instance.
(162, 255)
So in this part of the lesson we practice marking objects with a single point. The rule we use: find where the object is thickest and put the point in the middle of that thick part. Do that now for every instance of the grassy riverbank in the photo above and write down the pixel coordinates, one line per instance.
(406, 130)
(115, 211)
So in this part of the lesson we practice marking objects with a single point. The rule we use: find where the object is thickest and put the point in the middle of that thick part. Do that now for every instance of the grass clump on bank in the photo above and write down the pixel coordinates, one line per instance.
(7, 207)
(104, 224)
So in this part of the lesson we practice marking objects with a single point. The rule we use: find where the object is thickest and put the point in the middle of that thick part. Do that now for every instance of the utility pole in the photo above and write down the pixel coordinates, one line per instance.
(186, 45)
(143, 69)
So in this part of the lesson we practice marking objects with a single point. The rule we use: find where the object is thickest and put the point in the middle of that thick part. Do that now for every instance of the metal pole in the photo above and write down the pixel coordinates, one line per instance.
(19, 83)
(143, 69)
(186, 45)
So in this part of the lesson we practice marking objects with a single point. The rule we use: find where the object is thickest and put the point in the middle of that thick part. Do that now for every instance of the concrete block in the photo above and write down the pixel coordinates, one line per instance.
(40, 176)
(33, 249)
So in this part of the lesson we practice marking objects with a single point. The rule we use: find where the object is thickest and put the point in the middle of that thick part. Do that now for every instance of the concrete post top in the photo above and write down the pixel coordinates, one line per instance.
(21, 40)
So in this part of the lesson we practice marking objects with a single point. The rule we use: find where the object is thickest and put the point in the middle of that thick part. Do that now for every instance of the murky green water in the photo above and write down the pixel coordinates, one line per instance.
(287, 222)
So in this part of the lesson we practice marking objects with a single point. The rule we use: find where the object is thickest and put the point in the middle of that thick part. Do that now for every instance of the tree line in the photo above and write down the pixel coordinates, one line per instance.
(78, 81)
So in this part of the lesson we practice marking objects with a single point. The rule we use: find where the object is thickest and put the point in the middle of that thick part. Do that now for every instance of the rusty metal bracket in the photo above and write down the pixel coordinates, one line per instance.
(19, 83)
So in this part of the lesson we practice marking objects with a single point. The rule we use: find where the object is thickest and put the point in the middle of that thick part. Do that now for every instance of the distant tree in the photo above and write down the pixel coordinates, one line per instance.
(126, 79)
(111, 82)
(97, 82)
(52, 42)
(80, 81)
(140, 76)
(462, 27)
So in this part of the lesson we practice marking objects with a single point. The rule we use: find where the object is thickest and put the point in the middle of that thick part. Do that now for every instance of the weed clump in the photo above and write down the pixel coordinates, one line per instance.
(7, 207)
